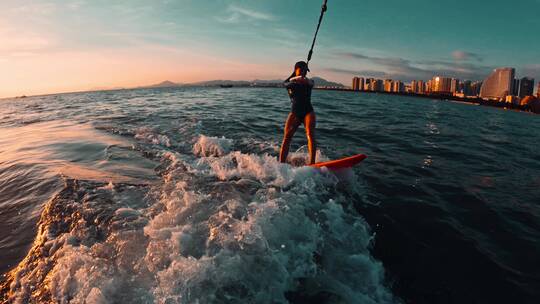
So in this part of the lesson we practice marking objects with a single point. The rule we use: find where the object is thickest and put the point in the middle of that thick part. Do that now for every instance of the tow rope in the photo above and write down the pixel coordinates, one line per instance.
(323, 10)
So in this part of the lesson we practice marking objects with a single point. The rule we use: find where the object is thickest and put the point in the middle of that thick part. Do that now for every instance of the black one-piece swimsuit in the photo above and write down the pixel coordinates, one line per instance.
(300, 94)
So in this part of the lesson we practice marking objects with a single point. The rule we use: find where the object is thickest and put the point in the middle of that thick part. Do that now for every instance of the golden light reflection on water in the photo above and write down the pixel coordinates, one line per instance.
(85, 173)
(73, 150)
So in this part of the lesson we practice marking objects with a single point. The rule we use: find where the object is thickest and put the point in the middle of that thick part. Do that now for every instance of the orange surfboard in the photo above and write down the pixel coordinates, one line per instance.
(343, 163)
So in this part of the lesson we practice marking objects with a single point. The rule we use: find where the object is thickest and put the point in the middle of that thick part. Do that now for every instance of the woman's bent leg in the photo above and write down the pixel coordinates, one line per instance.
(291, 125)
(310, 123)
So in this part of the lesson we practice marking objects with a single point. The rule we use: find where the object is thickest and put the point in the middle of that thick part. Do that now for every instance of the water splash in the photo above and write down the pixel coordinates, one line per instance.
(235, 228)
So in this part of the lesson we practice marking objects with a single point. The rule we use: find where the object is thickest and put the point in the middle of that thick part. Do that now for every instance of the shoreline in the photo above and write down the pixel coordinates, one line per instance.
(463, 100)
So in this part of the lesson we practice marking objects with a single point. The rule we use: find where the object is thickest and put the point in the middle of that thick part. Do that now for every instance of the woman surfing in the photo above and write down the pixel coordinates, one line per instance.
(299, 88)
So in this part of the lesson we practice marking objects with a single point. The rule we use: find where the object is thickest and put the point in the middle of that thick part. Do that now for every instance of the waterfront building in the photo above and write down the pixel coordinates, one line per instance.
(421, 87)
(367, 84)
(512, 99)
(388, 85)
(475, 88)
(398, 87)
(515, 87)
(441, 85)
(538, 90)
(526, 87)
(528, 100)
(358, 84)
(499, 84)
(454, 85)
(376, 85)
(414, 87)
(466, 88)
(428, 86)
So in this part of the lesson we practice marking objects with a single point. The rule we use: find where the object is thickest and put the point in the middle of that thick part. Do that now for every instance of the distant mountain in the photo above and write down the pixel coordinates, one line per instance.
(215, 83)
(321, 82)
(268, 81)
(164, 84)
(106, 88)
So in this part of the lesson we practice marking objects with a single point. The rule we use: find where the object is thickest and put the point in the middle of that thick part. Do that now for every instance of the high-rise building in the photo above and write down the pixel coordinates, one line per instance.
(515, 87)
(499, 84)
(421, 87)
(429, 86)
(526, 87)
(467, 90)
(358, 84)
(441, 85)
(388, 85)
(538, 90)
(454, 85)
(475, 88)
(376, 85)
(398, 87)
(414, 86)
(367, 84)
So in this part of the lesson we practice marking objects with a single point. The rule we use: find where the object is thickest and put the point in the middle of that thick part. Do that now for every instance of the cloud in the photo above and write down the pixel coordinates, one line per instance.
(239, 14)
(75, 5)
(388, 61)
(464, 56)
(530, 70)
(17, 42)
(406, 70)
(369, 73)
(352, 55)
(35, 9)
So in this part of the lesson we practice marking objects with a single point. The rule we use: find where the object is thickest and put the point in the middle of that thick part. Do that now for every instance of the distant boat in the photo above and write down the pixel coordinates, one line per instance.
(226, 85)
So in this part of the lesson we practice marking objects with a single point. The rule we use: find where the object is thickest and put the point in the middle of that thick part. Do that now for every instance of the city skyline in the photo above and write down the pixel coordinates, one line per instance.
(520, 87)
(52, 46)
(501, 86)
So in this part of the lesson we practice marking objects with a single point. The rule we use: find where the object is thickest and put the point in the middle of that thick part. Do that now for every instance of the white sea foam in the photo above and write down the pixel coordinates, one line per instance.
(228, 227)
(212, 146)
(149, 135)
(245, 239)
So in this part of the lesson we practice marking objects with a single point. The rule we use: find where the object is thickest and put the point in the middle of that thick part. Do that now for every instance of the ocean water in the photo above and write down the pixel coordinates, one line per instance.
(176, 196)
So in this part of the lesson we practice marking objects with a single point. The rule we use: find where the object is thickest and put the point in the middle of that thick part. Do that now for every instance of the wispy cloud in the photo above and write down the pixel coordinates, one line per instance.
(35, 9)
(531, 70)
(75, 5)
(350, 55)
(405, 69)
(369, 73)
(237, 14)
(464, 56)
(19, 43)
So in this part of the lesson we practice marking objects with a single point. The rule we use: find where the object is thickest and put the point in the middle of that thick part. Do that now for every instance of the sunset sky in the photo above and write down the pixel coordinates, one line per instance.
(49, 46)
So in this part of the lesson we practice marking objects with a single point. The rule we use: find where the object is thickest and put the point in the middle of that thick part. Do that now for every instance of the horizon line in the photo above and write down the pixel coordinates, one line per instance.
(147, 86)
